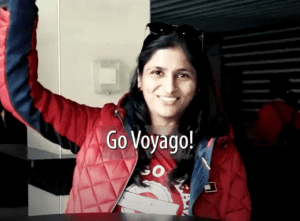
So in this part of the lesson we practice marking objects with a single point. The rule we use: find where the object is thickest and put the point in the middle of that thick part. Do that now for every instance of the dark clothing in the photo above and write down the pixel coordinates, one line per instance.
(11, 130)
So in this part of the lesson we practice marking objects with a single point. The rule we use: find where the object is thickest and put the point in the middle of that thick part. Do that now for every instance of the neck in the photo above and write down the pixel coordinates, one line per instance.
(164, 127)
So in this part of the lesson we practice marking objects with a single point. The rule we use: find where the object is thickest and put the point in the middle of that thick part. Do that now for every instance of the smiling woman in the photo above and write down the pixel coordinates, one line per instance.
(172, 91)
(171, 97)
(168, 83)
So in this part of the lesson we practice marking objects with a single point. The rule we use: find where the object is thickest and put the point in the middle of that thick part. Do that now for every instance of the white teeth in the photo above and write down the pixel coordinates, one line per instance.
(168, 99)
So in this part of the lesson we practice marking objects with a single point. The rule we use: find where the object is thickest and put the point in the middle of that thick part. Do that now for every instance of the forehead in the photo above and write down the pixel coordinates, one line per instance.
(169, 58)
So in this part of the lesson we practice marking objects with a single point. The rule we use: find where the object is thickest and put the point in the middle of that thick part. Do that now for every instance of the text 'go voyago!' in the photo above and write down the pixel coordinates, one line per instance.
(146, 141)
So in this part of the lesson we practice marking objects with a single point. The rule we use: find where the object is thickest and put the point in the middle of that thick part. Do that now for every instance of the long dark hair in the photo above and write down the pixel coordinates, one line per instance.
(203, 116)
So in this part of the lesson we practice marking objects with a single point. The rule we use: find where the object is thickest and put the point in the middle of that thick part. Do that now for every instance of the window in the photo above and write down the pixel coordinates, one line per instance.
(250, 58)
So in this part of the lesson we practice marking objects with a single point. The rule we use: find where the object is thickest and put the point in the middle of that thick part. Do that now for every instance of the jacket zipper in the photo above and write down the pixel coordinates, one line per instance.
(117, 114)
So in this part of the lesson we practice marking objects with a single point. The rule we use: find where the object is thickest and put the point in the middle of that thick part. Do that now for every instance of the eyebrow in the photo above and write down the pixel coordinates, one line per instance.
(157, 67)
(161, 68)
(184, 69)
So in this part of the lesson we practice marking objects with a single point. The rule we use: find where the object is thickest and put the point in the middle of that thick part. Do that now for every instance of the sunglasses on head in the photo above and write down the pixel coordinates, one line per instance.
(163, 28)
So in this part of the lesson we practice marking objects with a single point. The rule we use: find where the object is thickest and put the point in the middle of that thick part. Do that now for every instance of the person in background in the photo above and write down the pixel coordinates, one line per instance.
(172, 95)
(278, 121)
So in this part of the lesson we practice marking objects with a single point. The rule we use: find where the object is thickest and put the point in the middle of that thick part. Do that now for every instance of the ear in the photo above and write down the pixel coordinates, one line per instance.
(140, 80)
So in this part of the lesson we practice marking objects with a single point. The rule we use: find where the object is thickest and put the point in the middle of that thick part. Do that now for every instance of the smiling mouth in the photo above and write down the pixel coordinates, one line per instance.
(168, 99)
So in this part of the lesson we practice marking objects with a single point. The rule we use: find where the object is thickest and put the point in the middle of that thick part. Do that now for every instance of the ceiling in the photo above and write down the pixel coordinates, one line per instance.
(214, 16)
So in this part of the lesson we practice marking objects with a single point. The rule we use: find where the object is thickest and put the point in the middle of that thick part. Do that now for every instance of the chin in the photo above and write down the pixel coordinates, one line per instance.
(169, 115)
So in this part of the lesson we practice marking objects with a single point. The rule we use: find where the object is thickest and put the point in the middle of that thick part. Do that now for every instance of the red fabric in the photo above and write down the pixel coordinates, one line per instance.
(232, 199)
(156, 178)
(269, 122)
(101, 174)
(44, 100)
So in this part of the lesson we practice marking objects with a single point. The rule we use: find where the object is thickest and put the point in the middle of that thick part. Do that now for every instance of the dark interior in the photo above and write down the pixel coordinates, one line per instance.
(248, 42)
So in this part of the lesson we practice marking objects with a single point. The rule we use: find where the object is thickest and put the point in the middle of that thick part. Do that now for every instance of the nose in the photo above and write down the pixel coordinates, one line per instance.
(169, 84)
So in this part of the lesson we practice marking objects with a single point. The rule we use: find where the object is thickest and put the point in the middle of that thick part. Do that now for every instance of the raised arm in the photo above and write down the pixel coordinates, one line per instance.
(58, 119)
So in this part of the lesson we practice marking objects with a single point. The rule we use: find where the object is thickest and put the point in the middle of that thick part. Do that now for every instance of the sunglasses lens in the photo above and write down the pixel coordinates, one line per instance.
(160, 28)
(189, 31)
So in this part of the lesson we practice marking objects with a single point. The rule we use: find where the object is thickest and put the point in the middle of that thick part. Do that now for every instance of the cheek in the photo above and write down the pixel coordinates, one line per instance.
(150, 86)
(190, 89)
(147, 91)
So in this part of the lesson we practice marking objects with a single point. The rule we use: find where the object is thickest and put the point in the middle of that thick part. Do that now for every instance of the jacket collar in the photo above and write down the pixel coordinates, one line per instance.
(123, 100)
(120, 108)
(201, 171)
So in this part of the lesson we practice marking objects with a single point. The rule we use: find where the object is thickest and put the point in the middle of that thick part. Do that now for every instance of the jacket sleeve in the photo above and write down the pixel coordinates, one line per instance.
(56, 118)
(239, 203)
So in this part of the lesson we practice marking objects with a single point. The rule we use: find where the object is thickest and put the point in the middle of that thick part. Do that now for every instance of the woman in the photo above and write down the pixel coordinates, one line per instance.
(171, 94)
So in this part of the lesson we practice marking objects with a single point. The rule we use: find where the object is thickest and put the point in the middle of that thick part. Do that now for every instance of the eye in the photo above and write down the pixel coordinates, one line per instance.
(183, 75)
(157, 72)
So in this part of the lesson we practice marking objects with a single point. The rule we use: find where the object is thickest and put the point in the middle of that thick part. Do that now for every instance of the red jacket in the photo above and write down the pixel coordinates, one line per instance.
(101, 174)
(271, 119)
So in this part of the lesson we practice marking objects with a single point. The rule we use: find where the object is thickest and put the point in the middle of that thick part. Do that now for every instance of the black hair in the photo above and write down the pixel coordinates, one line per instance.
(280, 86)
(204, 115)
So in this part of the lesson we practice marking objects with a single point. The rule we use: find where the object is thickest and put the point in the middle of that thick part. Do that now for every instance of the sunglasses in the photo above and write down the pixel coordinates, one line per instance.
(163, 28)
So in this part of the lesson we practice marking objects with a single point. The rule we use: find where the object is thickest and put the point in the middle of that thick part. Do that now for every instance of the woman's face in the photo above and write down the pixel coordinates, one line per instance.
(168, 83)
